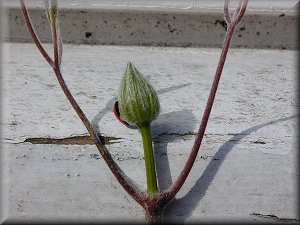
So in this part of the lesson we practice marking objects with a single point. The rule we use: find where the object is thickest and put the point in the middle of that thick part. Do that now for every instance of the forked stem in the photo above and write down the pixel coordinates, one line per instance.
(154, 201)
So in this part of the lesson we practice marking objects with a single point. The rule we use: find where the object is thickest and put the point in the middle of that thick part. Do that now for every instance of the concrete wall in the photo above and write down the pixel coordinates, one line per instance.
(136, 26)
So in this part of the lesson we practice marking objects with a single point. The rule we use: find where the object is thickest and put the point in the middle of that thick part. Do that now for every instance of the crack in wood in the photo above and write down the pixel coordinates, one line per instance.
(75, 140)
(271, 216)
(86, 140)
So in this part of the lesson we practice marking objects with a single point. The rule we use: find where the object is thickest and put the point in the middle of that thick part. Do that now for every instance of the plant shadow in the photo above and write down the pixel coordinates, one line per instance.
(186, 205)
(177, 123)
(180, 123)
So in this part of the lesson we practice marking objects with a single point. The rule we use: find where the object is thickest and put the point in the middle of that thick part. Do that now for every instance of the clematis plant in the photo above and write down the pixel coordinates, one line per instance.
(137, 105)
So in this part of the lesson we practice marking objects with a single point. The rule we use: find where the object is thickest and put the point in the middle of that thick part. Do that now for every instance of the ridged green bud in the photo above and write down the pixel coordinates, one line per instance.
(138, 101)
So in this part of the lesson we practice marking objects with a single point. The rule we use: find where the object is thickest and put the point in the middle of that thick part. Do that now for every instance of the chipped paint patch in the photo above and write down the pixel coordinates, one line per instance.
(76, 140)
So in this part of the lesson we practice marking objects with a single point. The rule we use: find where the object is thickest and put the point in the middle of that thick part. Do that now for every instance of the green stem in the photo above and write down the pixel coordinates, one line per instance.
(149, 159)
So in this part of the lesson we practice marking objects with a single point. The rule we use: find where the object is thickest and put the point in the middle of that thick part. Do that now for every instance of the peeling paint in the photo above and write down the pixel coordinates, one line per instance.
(76, 140)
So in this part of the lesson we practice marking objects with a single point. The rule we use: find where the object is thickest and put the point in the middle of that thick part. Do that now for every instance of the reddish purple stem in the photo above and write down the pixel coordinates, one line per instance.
(33, 34)
(231, 24)
(124, 180)
(153, 204)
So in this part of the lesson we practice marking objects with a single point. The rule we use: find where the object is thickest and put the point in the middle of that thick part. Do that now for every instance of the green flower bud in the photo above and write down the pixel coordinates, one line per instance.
(138, 101)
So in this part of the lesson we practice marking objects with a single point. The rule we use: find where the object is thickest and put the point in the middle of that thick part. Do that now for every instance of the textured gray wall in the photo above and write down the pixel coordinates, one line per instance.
(163, 28)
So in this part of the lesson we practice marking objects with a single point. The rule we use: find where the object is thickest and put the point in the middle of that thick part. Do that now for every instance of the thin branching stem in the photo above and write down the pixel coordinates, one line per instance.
(33, 34)
(172, 191)
(226, 13)
(122, 178)
(237, 10)
(154, 203)
(55, 43)
(241, 13)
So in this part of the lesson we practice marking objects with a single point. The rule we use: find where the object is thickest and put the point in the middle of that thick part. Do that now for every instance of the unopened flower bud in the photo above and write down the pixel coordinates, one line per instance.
(138, 101)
